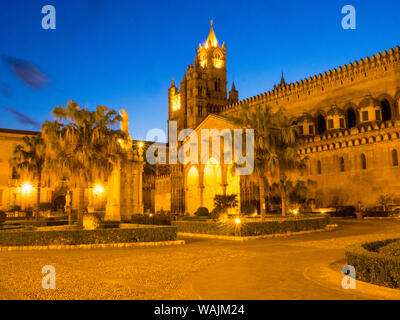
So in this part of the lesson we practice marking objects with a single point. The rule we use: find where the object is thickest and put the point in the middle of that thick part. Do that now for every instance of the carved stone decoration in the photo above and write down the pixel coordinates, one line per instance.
(124, 197)
(124, 121)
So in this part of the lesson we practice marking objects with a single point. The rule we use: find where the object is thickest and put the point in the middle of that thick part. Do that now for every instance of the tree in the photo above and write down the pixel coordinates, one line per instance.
(29, 158)
(83, 147)
(290, 191)
(275, 147)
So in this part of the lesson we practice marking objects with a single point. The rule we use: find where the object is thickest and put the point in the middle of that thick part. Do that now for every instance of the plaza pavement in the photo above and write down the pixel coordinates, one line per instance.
(277, 268)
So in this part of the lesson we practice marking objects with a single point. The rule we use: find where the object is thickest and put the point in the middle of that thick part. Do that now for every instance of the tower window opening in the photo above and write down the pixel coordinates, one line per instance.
(395, 158)
(363, 162)
(342, 164)
(319, 167)
(386, 112)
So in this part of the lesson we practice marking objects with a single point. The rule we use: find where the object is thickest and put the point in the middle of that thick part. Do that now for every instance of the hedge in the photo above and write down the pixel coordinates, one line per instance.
(374, 266)
(154, 220)
(253, 228)
(72, 237)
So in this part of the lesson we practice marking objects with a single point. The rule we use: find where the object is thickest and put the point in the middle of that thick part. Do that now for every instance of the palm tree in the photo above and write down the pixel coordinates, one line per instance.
(30, 159)
(83, 146)
(275, 146)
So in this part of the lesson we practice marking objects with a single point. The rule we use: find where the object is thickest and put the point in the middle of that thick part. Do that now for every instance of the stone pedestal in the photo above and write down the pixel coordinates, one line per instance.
(124, 192)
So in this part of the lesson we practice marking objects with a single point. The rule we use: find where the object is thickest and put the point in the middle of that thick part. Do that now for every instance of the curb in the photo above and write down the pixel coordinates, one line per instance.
(325, 276)
(94, 246)
(267, 236)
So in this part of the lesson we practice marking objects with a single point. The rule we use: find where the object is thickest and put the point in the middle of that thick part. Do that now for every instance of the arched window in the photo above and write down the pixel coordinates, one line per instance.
(363, 162)
(321, 124)
(341, 164)
(386, 112)
(319, 167)
(351, 118)
(395, 158)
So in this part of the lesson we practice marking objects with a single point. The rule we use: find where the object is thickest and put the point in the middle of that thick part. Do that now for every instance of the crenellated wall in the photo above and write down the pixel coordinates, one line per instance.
(376, 75)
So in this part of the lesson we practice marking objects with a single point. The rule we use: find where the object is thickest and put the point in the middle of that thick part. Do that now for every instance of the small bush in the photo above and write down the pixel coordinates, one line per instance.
(91, 221)
(202, 212)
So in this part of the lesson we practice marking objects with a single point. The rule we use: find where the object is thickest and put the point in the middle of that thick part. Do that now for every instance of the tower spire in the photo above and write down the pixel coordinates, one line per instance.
(211, 39)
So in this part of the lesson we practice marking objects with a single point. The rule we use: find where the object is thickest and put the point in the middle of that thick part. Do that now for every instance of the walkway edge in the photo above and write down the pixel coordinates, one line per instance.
(95, 246)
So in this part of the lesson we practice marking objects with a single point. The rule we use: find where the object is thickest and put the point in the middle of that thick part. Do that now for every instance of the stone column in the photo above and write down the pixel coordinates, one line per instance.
(124, 197)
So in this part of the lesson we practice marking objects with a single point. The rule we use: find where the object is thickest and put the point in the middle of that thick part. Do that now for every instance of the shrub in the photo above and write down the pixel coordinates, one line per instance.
(3, 217)
(253, 228)
(373, 264)
(91, 221)
(13, 208)
(202, 212)
(73, 237)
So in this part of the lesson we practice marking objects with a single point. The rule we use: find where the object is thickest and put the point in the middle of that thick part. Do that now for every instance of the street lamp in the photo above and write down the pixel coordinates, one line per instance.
(26, 188)
(98, 190)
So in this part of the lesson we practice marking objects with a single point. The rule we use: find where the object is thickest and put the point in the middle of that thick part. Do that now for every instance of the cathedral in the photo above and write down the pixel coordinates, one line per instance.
(348, 117)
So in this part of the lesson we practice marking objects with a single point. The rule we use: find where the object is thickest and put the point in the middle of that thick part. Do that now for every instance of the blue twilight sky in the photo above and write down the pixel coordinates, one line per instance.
(123, 53)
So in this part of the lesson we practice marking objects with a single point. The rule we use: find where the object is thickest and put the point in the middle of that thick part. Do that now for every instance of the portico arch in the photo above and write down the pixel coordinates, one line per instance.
(212, 182)
(192, 198)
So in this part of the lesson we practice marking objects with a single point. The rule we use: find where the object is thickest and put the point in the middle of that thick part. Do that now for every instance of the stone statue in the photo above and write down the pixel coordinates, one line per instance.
(67, 200)
(124, 121)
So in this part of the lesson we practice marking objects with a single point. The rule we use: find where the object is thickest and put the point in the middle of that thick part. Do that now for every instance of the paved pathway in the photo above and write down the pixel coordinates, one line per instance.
(279, 268)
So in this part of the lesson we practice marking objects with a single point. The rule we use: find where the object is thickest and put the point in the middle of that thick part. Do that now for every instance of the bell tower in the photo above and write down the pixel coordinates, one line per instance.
(203, 89)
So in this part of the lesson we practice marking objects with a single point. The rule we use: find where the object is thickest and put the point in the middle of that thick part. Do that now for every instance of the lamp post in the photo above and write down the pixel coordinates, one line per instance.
(237, 227)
